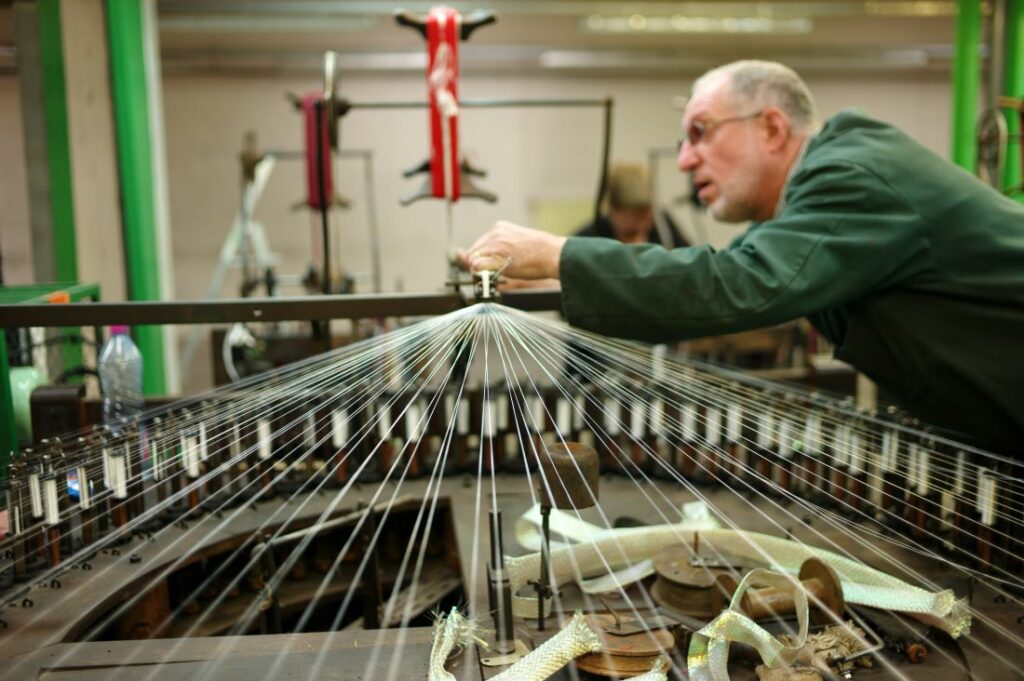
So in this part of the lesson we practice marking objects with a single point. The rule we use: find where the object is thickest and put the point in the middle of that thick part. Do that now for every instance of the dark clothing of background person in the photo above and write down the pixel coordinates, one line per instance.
(603, 228)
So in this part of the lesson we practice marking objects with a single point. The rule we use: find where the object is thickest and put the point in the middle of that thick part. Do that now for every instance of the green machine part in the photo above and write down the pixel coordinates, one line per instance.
(966, 84)
(16, 386)
(126, 34)
(1014, 87)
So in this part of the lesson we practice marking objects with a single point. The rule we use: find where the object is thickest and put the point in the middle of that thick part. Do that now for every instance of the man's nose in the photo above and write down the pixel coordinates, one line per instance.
(687, 159)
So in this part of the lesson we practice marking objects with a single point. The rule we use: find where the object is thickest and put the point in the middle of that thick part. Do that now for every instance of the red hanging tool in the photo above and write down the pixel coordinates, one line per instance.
(319, 194)
(443, 30)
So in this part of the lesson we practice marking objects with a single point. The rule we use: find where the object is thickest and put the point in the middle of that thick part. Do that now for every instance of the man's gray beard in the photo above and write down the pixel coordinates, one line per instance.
(732, 213)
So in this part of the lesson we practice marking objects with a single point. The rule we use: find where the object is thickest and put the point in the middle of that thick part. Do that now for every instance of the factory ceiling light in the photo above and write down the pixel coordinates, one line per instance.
(260, 23)
(564, 35)
(915, 58)
(706, 8)
(680, 23)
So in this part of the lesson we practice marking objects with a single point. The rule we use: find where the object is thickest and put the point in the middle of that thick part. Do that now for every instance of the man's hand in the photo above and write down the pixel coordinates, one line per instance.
(520, 252)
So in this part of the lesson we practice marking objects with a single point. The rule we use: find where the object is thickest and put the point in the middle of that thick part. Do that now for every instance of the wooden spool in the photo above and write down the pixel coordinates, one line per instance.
(692, 590)
(624, 655)
(572, 474)
(818, 579)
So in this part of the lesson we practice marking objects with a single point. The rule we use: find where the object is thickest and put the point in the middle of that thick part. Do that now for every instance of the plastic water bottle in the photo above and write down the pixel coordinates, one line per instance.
(120, 370)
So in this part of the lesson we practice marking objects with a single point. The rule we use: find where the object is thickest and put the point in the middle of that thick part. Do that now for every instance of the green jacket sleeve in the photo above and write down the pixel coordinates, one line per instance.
(843, 234)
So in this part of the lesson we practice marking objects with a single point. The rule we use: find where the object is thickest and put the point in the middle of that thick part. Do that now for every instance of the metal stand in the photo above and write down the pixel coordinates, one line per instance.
(270, 607)
(500, 591)
(371, 579)
(542, 585)
(245, 237)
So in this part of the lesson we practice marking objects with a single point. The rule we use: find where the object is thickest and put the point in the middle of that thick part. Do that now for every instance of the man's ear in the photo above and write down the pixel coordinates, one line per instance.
(776, 128)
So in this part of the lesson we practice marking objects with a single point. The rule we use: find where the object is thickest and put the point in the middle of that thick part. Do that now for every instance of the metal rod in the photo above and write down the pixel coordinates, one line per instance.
(266, 569)
(606, 149)
(484, 103)
(545, 557)
(500, 590)
(325, 201)
(497, 560)
(371, 577)
(298, 155)
(259, 309)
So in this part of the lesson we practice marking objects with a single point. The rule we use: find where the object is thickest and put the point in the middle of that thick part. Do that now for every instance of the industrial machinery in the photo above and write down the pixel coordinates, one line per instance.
(487, 494)
(371, 499)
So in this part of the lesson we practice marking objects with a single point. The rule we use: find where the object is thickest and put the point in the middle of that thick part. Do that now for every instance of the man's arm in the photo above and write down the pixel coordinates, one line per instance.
(843, 235)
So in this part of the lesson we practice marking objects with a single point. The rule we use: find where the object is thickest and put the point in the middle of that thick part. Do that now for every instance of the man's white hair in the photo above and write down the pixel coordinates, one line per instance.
(761, 84)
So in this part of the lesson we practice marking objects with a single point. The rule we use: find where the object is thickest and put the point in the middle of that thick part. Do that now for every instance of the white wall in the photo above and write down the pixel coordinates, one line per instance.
(15, 234)
(530, 155)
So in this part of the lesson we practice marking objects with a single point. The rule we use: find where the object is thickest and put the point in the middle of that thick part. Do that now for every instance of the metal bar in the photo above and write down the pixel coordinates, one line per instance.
(259, 309)
(325, 200)
(500, 592)
(371, 576)
(295, 155)
(135, 166)
(545, 558)
(606, 150)
(484, 103)
(966, 80)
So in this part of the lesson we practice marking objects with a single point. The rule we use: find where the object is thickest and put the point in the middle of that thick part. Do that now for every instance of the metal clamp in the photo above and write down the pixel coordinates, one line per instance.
(486, 285)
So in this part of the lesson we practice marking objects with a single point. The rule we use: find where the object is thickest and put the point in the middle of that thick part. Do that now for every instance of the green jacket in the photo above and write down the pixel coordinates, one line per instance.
(911, 267)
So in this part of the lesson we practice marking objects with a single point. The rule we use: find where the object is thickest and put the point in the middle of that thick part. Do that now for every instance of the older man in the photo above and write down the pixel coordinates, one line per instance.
(911, 267)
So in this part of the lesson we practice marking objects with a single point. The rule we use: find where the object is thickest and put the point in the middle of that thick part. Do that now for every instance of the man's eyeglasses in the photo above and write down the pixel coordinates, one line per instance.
(698, 129)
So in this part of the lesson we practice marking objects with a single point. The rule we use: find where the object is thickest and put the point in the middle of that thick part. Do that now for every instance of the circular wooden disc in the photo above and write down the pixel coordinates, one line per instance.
(691, 590)
(832, 594)
(673, 565)
(640, 644)
(624, 656)
(603, 664)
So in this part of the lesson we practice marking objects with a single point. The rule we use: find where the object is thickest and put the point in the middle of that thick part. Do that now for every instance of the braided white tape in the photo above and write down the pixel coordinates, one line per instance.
(449, 632)
(605, 550)
(574, 640)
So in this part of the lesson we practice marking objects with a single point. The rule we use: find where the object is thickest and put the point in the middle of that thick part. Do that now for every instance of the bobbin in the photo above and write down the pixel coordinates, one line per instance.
(570, 476)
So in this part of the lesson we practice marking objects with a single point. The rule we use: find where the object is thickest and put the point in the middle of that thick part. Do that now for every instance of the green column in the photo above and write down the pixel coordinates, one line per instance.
(58, 149)
(58, 156)
(966, 81)
(131, 117)
(1014, 87)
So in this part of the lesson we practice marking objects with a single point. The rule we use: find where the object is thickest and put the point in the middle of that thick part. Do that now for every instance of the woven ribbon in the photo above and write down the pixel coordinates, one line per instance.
(575, 639)
(600, 551)
(708, 656)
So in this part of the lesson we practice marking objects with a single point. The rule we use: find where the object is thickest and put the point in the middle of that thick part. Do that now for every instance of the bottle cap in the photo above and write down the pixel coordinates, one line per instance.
(116, 329)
